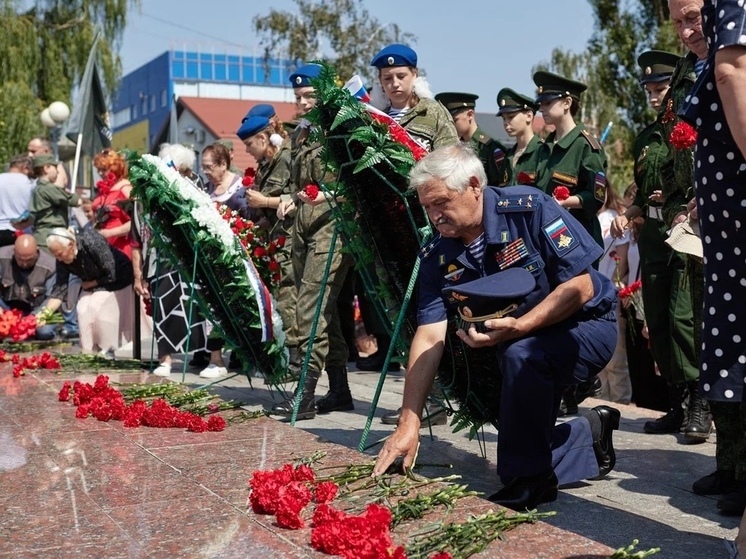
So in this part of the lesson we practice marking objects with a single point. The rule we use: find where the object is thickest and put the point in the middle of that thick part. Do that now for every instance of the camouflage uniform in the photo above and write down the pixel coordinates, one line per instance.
(314, 227)
(430, 124)
(273, 180)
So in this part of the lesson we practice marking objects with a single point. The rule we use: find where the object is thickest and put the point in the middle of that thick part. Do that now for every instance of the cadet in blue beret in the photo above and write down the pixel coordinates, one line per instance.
(406, 97)
(492, 153)
(563, 331)
(313, 230)
(517, 112)
(262, 109)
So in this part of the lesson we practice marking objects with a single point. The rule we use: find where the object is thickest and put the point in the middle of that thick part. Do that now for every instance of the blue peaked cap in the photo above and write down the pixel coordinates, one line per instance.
(252, 125)
(395, 55)
(495, 296)
(303, 75)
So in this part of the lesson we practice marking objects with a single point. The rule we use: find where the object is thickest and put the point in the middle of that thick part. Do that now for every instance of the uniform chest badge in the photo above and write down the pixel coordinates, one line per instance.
(511, 254)
(454, 274)
(560, 236)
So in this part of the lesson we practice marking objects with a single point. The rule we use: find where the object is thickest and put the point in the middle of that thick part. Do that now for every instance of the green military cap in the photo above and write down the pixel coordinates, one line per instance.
(510, 101)
(455, 102)
(227, 143)
(657, 65)
(44, 159)
(551, 86)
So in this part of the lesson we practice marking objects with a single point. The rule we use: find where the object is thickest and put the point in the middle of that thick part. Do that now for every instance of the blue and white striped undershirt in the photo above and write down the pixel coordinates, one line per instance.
(397, 114)
(476, 249)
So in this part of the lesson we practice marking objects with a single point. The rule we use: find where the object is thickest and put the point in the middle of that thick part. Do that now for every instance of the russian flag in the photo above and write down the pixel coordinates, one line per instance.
(355, 86)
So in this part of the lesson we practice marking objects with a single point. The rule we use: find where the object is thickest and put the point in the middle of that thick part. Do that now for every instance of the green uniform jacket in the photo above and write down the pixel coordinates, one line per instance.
(430, 124)
(273, 180)
(678, 167)
(494, 157)
(49, 208)
(524, 162)
(578, 162)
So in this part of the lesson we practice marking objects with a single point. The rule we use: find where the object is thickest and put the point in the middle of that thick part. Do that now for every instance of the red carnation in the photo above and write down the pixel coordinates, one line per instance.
(561, 193)
(683, 136)
(325, 492)
(524, 178)
(215, 423)
(311, 190)
(64, 394)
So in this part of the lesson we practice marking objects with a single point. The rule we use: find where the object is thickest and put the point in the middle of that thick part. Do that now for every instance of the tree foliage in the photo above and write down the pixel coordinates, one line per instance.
(623, 30)
(44, 47)
(351, 34)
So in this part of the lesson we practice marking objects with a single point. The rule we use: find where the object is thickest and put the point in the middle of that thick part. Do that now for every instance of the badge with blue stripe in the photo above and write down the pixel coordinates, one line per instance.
(511, 254)
(560, 236)
(499, 156)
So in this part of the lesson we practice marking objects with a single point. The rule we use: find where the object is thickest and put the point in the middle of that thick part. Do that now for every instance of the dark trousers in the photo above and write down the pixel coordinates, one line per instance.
(649, 390)
(536, 370)
(7, 237)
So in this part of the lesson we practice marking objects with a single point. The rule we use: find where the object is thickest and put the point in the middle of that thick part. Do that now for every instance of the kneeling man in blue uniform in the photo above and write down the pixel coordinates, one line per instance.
(562, 331)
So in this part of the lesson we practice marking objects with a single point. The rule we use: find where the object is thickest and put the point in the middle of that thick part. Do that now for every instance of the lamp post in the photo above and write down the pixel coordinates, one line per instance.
(53, 117)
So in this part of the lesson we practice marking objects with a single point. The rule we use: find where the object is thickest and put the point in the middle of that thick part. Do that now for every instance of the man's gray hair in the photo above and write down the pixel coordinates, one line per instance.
(454, 165)
(183, 157)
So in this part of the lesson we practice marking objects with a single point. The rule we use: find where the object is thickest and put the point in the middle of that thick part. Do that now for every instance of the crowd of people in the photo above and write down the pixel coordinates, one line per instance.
(608, 300)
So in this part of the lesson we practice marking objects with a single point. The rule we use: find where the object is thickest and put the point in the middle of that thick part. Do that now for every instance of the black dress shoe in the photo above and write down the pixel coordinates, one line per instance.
(374, 362)
(718, 482)
(436, 414)
(603, 447)
(526, 493)
(734, 502)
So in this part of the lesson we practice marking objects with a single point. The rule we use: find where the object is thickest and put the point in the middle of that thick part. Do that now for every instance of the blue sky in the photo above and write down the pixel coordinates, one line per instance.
(477, 46)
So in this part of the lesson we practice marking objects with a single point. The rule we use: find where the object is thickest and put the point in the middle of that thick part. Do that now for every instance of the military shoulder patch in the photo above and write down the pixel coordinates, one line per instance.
(560, 236)
(499, 156)
(591, 139)
(599, 187)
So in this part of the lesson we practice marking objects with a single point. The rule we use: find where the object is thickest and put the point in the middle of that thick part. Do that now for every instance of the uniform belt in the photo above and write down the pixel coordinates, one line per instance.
(655, 212)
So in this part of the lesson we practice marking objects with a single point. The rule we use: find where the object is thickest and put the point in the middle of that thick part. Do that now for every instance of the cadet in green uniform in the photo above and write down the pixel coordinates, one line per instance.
(312, 235)
(491, 153)
(570, 156)
(272, 184)
(517, 112)
(49, 207)
(668, 306)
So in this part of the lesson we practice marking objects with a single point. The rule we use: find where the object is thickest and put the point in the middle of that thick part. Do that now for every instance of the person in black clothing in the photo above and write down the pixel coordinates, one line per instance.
(106, 306)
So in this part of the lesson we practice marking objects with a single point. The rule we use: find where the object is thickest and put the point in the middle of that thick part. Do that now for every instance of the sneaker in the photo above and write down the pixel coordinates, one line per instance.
(213, 371)
(162, 370)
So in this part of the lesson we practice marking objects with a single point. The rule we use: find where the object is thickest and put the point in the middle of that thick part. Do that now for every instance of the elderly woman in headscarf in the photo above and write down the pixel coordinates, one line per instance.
(105, 308)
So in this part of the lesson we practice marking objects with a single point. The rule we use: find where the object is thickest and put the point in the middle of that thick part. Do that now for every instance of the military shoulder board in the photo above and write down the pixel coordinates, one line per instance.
(429, 247)
(516, 203)
(591, 139)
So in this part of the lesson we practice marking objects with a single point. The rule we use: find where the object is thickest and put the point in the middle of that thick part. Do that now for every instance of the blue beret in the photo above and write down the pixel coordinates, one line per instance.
(495, 296)
(252, 125)
(395, 55)
(303, 75)
(263, 109)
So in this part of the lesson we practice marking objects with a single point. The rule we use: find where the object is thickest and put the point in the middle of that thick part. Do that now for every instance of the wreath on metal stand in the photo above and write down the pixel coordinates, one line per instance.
(385, 227)
(190, 231)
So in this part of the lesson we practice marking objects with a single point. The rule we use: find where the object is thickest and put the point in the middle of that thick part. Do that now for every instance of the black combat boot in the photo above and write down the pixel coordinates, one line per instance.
(699, 421)
(675, 420)
(307, 409)
(338, 398)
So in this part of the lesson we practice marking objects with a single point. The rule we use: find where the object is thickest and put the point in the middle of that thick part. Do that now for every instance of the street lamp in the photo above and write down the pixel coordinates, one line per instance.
(53, 117)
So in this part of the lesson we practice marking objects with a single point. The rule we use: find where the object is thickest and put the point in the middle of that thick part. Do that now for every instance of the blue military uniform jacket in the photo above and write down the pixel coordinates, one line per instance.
(523, 227)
